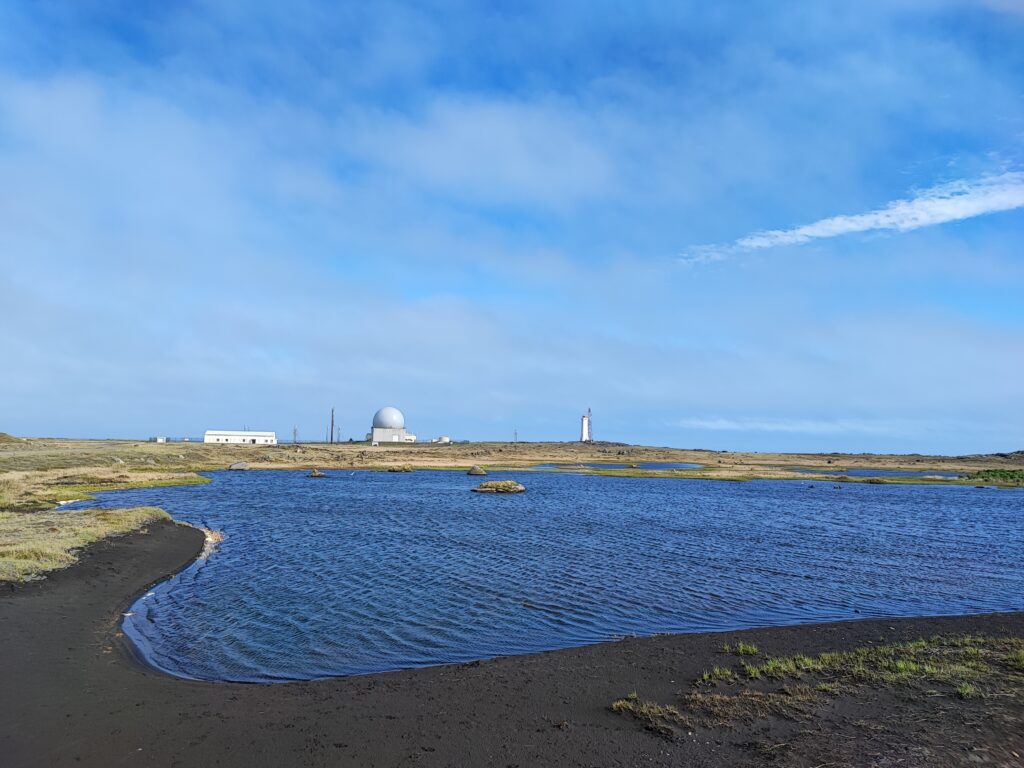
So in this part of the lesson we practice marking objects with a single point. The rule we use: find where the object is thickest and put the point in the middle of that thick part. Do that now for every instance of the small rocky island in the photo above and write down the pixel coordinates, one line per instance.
(500, 486)
(477, 470)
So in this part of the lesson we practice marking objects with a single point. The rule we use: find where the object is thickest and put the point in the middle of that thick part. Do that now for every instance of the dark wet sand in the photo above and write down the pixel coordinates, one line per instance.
(71, 694)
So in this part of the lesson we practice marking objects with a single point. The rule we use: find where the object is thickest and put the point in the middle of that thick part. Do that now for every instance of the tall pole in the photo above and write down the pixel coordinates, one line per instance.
(295, 434)
(332, 424)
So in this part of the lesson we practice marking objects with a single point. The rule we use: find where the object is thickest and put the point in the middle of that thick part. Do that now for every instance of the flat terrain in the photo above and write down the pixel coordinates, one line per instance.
(38, 473)
(72, 694)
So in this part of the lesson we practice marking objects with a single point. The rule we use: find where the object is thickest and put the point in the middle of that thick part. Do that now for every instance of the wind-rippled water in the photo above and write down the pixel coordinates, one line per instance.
(367, 571)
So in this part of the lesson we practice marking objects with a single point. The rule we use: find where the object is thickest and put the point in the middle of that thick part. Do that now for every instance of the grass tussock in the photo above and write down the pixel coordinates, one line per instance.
(717, 709)
(961, 667)
(34, 543)
(715, 674)
(660, 718)
(741, 649)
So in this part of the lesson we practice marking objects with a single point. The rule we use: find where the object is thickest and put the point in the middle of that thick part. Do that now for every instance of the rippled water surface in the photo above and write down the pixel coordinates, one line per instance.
(368, 571)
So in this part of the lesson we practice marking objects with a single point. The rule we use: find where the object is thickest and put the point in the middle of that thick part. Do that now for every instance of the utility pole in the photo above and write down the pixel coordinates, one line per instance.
(337, 434)
(331, 434)
(515, 435)
(295, 435)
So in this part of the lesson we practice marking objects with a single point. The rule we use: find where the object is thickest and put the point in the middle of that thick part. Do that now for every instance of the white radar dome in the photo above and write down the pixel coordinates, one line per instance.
(388, 418)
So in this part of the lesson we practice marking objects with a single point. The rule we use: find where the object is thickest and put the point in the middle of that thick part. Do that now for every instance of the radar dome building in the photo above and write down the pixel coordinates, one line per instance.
(389, 427)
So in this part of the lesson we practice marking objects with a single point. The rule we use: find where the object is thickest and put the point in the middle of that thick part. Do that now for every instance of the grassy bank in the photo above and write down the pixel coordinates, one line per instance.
(743, 689)
(27, 491)
(33, 543)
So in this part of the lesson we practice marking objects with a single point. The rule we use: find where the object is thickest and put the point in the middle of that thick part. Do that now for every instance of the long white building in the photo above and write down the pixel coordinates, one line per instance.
(239, 437)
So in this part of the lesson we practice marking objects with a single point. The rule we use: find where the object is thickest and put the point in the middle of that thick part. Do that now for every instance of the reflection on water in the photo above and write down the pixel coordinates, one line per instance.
(373, 571)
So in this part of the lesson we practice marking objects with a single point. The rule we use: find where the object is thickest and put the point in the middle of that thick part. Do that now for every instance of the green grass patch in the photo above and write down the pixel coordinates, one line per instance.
(741, 649)
(1015, 660)
(937, 660)
(1006, 477)
(963, 667)
(32, 543)
(715, 674)
(968, 691)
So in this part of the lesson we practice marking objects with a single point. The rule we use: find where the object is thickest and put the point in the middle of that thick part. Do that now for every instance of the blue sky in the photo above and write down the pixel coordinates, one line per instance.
(754, 226)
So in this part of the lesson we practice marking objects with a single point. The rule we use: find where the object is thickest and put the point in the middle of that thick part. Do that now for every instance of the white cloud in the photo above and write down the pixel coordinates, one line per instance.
(953, 201)
(496, 150)
(797, 426)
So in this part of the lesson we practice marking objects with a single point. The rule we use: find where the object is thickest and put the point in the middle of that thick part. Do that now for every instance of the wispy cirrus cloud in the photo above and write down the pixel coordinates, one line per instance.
(952, 201)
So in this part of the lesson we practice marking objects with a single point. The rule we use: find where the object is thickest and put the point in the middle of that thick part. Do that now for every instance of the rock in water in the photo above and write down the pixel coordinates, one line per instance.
(476, 469)
(239, 465)
(500, 486)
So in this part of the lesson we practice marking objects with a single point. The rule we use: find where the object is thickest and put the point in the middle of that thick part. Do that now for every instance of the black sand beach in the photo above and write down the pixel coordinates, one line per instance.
(72, 694)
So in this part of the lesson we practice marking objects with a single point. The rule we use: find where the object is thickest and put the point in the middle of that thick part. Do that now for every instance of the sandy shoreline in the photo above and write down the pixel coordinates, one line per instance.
(74, 694)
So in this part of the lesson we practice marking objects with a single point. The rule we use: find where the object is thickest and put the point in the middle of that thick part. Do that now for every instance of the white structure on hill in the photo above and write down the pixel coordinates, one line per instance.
(389, 427)
(239, 438)
(586, 436)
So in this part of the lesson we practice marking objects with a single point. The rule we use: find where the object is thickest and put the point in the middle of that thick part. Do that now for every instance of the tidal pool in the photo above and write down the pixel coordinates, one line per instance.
(369, 571)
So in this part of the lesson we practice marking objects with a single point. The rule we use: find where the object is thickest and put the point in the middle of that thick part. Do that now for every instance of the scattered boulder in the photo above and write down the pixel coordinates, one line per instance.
(317, 473)
(401, 469)
(239, 465)
(477, 470)
(500, 486)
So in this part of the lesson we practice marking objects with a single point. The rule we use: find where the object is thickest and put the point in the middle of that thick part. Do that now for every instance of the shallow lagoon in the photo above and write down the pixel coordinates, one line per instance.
(369, 571)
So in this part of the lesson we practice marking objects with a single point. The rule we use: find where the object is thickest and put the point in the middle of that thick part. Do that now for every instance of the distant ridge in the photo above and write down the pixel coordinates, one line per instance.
(1012, 456)
(5, 438)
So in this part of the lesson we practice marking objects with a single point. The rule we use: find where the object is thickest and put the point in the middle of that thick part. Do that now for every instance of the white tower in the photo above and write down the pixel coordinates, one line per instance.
(586, 436)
